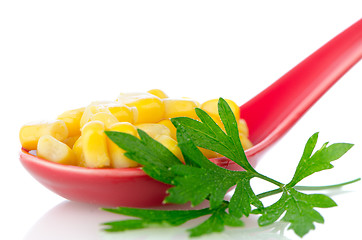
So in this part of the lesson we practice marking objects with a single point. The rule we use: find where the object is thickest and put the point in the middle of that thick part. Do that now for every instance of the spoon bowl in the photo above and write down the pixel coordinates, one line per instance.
(112, 187)
(268, 115)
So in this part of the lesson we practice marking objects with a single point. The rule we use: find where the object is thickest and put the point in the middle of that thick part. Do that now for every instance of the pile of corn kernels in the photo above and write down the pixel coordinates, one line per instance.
(77, 136)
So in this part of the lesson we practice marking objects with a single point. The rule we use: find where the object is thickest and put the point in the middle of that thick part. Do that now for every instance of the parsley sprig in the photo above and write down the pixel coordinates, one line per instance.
(199, 179)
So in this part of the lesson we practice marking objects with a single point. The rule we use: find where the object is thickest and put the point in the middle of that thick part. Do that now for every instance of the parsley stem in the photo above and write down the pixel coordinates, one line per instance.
(275, 182)
(269, 193)
(306, 188)
(311, 188)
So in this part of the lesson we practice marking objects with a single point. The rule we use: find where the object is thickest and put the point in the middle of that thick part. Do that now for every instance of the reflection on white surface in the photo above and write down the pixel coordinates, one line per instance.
(71, 220)
(68, 220)
(276, 232)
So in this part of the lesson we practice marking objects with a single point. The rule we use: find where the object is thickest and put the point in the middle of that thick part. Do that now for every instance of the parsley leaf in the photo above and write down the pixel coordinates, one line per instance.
(243, 198)
(190, 185)
(299, 209)
(149, 217)
(271, 213)
(199, 179)
(216, 223)
(207, 134)
(190, 179)
(301, 213)
(320, 160)
(155, 158)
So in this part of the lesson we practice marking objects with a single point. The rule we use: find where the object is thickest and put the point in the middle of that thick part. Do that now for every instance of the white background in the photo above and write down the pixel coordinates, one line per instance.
(59, 55)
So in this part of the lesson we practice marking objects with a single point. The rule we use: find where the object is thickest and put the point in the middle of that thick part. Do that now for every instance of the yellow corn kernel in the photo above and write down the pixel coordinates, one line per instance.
(171, 145)
(245, 142)
(168, 123)
(88, 112)
(243, 127)
(91, 109)
(122, 113)
(211, 108)
(154, 129)
(150, 109)
(94, 144)
(118, 159)
(72, 120)
(71, 140)
(29, 134)
(208, 153)
(78, 151)
(53, 150)
(180, 108)
(106, 118)
(125, 127)
(158, 93)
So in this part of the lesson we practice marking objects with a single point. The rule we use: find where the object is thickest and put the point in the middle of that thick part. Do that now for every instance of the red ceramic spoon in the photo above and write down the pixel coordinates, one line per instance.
(269, 115)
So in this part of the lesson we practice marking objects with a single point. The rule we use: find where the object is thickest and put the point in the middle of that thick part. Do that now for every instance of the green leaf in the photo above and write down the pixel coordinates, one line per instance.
(200, 179)
(216, 223)
(301, 213)
(203, 136)
(273, 212)
(299, 208)
(119, 226)
(231, 126)
(192, 155)
(243, 198)
(149, 217)
(207, 134)
(155, 158)
(197, 184)
(320, 160)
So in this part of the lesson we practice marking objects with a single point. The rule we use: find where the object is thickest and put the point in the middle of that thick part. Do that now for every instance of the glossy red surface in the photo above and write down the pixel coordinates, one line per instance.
(276, 109)
(269, 115)
(105, 187)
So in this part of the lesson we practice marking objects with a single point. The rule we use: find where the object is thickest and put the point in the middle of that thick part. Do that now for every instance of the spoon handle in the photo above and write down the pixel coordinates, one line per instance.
(273, 111)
